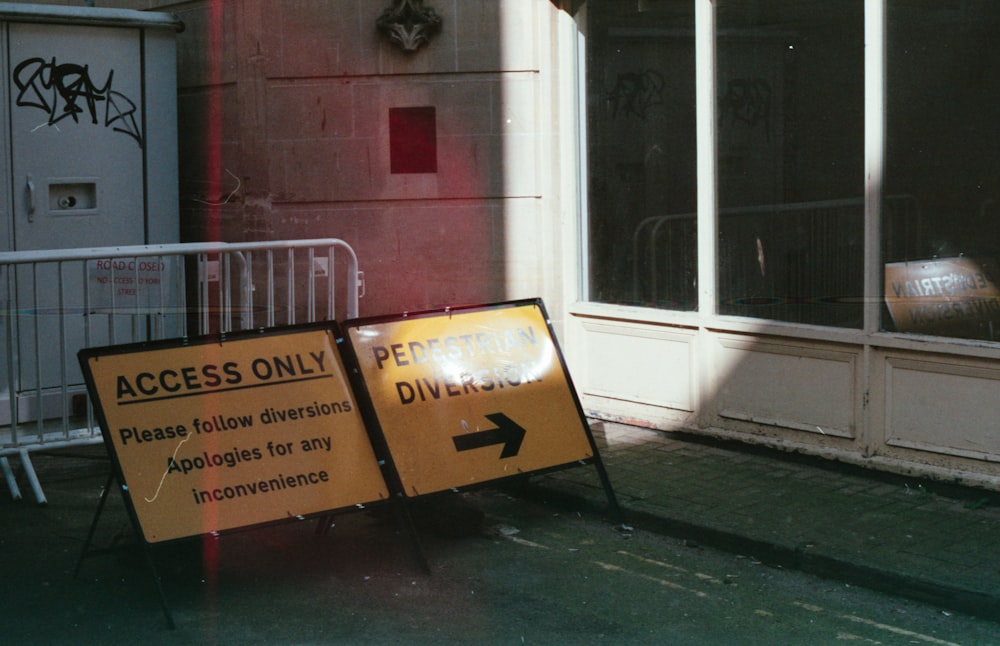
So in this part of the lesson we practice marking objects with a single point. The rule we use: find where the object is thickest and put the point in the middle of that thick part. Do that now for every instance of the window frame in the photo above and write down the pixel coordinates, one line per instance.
(707, 210)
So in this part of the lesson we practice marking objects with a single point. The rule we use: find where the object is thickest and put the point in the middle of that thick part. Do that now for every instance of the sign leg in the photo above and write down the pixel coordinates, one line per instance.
(324, 524)
(613, 507)
(405, 521)
(93, 525)
(86, 551)
(159, 586)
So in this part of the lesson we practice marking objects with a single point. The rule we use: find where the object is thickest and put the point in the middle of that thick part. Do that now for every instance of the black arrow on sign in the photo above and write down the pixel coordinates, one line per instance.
(507, 433)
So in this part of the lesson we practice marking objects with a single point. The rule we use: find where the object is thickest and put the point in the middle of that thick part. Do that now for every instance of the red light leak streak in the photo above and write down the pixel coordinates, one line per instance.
(213, 135)
(213, 156)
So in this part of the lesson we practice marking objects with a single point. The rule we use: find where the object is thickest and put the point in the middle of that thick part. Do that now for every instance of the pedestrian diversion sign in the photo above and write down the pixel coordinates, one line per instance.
(469, 395)
(218, 434)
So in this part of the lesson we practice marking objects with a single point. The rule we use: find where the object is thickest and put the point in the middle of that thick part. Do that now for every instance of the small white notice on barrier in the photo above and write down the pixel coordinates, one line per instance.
(128, 284)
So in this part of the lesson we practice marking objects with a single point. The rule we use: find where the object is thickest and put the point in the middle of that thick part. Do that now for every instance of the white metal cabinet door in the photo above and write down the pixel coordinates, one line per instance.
(76, 112)
(76, 136)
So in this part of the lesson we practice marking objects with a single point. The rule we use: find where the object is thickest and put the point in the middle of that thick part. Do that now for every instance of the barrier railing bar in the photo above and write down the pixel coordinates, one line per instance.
(36, 348)
(290, 287)
(331, 296)
(270, 288)
(63, 344)
(310, 285)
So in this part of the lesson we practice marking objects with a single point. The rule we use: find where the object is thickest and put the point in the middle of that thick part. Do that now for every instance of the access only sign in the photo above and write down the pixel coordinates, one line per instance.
(218, 434)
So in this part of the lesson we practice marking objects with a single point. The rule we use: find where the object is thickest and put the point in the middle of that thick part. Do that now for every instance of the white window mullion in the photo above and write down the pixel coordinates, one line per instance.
(705, 96)
(874, 159)
(583, 180)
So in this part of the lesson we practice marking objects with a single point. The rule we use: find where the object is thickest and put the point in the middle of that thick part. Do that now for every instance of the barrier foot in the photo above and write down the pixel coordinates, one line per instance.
(614, 509)
(29, 471)
(15, 491)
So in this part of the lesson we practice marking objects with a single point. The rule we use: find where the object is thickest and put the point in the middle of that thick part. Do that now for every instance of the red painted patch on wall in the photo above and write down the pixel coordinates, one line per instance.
(413, 140)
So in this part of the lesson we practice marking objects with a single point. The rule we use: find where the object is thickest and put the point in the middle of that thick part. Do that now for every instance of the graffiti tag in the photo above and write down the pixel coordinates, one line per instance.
(635, 92)
(748, 101)
(66, 91)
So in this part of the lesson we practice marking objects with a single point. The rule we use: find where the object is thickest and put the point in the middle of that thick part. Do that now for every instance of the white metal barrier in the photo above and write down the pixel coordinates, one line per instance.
(56, 302)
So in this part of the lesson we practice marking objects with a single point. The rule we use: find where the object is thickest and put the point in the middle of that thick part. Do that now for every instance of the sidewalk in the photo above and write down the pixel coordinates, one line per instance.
(924, 540)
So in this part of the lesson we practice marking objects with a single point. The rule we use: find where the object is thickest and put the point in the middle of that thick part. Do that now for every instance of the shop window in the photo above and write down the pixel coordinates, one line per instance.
(790, 127)
(942, 143)
(790, 124)
(641, 146)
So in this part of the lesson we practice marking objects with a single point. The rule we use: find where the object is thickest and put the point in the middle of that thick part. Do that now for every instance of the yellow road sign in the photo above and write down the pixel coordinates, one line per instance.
(470, 395)
(210, 436)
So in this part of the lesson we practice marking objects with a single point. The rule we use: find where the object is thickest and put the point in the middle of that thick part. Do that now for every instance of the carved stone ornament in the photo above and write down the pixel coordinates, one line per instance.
(409, 24)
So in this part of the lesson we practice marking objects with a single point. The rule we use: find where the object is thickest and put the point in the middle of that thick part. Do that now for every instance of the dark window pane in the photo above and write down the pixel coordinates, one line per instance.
(641, 130)
(790, 124)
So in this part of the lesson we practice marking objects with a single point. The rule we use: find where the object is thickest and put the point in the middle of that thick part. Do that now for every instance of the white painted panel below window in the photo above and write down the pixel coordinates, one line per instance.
(639, 364)
(944, 408)
(787, 385)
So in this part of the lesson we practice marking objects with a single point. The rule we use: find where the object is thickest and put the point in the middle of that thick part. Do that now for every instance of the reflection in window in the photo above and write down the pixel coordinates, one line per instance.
(641, 131)
(943, 153)
(790, 124)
